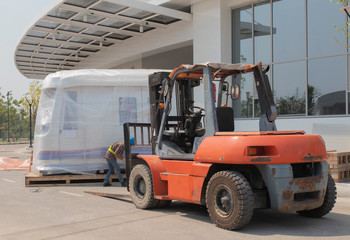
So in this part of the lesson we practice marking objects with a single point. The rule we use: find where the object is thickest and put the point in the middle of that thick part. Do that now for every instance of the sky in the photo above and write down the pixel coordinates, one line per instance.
(15, 19)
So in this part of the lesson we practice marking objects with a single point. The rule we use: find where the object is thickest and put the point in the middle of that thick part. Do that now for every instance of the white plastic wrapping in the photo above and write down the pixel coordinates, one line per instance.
(81, 113)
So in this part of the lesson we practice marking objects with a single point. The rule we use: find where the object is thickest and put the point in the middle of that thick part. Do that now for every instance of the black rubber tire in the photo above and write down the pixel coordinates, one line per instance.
(230, 200)
(328, 203)
(141, 187)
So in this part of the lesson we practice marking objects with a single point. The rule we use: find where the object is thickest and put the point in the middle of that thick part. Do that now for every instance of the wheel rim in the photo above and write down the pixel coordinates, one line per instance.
(140, 187)
(223, 201)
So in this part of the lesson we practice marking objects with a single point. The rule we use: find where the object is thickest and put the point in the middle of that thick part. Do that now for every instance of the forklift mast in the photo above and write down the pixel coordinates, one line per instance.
(182, 133)
(266, 101)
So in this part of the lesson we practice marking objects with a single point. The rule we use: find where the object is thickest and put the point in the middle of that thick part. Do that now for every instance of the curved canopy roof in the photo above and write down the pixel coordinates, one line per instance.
(74, 30)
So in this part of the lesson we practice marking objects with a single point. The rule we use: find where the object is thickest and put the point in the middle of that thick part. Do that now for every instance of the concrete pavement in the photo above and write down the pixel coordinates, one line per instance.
(69, 213)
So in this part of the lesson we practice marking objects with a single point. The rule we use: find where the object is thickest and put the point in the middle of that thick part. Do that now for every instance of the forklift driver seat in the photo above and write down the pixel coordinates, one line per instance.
(224, 117)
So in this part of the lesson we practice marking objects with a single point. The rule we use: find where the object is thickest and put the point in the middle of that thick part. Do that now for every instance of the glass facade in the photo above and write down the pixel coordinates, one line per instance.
(308, 56)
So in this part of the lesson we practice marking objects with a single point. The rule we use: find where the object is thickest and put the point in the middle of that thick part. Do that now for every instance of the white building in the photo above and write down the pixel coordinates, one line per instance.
(308, 57)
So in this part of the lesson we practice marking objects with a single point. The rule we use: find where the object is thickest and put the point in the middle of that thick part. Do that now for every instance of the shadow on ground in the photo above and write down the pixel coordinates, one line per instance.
(269, 222)
(263, 223)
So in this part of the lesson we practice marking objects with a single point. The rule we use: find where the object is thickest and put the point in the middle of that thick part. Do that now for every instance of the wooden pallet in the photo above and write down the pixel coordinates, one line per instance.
(340, 174)
(68, 179)
(339, 165)
(338, 160)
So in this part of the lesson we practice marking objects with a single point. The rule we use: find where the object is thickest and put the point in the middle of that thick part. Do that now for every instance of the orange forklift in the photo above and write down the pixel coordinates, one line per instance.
(197, 157)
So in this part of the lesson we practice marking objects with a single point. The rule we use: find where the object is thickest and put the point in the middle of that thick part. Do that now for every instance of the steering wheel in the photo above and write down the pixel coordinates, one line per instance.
(196, 112)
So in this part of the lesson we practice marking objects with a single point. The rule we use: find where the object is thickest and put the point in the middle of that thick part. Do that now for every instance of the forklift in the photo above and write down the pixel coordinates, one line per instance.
(198, 157)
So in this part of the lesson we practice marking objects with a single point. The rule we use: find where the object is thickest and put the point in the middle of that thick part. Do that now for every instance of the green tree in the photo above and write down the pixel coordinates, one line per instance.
(18, 112)
(3, 116)
(32, 97)
(290, 105)
(12, 108)
(343, 3)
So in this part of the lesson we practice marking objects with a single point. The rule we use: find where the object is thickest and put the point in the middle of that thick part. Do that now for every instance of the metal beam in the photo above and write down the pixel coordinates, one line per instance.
(111, 16)
(45, 61)
(35, 73)
(32, 75)
(81, 35)
(63, 42)
(36, 70)
(56, 50)
(45, 70)
(90, 26)
(31, 58)
(154, 9)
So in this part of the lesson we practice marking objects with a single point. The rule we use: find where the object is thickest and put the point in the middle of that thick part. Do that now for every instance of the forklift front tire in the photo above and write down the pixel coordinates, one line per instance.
(230, 200)
(141, 187)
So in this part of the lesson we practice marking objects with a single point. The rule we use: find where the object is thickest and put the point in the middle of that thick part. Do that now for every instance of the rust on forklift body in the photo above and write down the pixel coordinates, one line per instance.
(290, 205)
(306, 184)
(300, 206)
(273, 171)
(287, 194)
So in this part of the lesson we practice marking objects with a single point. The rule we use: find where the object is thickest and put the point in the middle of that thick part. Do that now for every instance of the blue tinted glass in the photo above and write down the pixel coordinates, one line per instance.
(290, 88)
(326, 86)
(262, 32)
(288, 30)
(242, 35)
(244, 105)
(348, 103)
(323, 19)
(243, 52)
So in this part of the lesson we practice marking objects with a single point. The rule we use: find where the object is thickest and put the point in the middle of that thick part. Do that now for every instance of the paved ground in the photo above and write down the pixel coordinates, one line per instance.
(69, 213)
(15, 151)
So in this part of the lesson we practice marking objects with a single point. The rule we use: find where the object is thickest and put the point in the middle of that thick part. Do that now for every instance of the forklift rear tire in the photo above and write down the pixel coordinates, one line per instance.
(328, 203)
(230, 200)
(141, 187)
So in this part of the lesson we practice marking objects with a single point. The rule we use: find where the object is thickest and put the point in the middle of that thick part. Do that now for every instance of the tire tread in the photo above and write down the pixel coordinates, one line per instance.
(246, 200)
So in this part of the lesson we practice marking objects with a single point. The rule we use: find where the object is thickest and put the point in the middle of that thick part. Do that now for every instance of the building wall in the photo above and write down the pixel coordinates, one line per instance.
(169, 59)
(211, 31)
(295, 64)
(134, 64)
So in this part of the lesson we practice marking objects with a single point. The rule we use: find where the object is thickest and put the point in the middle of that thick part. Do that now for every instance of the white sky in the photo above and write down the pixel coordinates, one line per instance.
(17, 16)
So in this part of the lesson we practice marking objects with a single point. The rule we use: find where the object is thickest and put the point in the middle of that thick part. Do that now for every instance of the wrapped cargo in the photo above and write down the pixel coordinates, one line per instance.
(81, 113)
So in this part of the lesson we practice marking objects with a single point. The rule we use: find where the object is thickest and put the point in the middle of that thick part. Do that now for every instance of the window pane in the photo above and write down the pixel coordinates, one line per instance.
(348, 103)
(290, 88)
(70, 111)
(262, 32)
(323, 19)
(348, 74)
(243, 106)
(242, 35)
(326, 86)
(288, 30)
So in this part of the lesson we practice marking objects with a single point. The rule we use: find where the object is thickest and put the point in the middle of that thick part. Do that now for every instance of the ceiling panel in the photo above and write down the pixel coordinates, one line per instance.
(75, 30)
